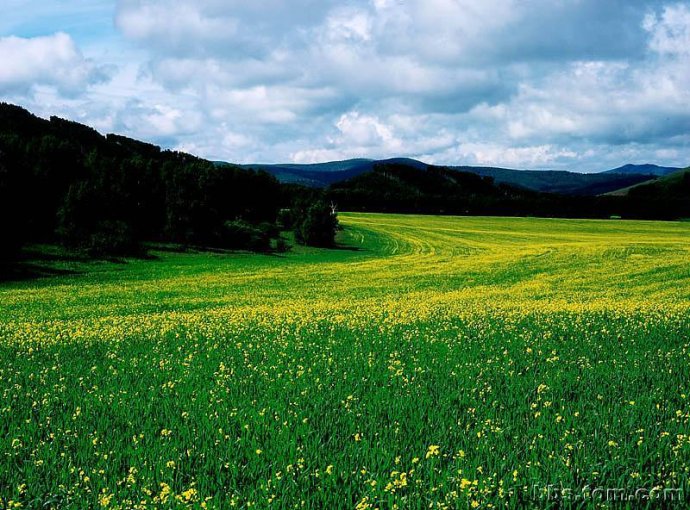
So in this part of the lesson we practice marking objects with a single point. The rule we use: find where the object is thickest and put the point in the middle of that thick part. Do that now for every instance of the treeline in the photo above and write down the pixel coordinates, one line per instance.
(64, 182)
(438, 190)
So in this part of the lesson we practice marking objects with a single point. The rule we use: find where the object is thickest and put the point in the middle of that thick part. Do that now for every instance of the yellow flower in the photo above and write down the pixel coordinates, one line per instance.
(363, 504)
(189, 494)
(165, 492)
(433, 451)
(104, 499)
(329, 470)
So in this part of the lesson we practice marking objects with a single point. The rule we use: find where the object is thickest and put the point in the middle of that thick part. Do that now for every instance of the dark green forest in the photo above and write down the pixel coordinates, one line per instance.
(64, 183)
(442, 190)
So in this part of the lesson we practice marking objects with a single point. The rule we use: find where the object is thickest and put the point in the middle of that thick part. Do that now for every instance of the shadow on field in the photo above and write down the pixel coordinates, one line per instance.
(45, 261)
(344, 247)
(23, 271)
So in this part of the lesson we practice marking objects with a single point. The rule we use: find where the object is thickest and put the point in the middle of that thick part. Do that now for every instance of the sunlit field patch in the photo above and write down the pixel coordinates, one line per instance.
(433, 362)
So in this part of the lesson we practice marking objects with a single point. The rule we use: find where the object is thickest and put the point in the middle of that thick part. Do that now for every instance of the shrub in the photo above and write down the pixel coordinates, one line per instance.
(240, 235)
(12, 213)
(112, 238)
(285, 219)
(316, 224)
(82, 225)
(281, 245)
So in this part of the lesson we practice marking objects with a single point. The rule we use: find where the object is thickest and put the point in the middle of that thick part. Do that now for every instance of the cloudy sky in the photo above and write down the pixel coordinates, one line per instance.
(574, 84)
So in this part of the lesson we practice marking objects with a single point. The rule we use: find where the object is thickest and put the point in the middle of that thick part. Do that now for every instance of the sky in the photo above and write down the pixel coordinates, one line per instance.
(583, 85)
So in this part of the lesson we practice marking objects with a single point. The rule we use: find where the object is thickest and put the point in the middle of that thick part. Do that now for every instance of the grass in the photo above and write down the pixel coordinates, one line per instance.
(436, 363)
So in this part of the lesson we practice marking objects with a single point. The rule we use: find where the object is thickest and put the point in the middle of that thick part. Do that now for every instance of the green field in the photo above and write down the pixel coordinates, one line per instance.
(432, 362)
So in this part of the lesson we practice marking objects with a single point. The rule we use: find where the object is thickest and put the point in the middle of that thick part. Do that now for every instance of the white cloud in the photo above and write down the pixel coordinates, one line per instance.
(365, 130)
(357, 135)
(670, 30)
(539, 156)
(349, 24)
(572, 83)
(178, 27)
(50, 60)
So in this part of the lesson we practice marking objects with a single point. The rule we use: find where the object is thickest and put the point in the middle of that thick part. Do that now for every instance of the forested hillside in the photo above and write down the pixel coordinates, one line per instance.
(440, 190)
(64, 182)
(321, 175)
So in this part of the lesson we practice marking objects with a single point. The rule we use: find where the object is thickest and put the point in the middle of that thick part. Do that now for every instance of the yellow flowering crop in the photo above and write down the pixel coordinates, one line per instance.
(438, 362)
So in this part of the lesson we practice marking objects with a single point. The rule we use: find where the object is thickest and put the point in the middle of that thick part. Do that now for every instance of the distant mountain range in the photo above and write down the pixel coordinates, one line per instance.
(322, 175)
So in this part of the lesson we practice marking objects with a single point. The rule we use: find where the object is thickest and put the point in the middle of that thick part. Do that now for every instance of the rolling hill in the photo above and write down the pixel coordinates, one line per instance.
(673, 186)
(400, 188)
(561, 182)
(318, 175)
(322, 175)
(647, 169)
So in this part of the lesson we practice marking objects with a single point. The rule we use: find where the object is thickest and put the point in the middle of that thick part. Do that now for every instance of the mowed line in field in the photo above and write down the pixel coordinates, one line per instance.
(503, 261)
(467, 230)
(612, 258)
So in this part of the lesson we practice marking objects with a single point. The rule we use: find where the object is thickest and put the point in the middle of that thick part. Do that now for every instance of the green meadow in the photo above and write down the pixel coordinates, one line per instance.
(429, 362)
